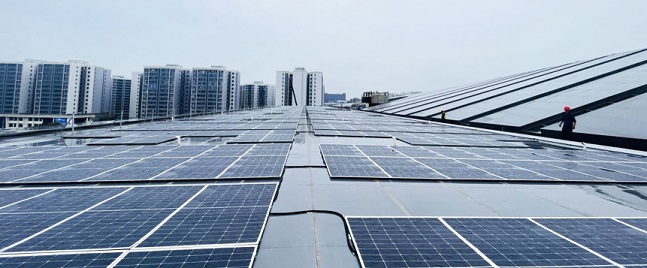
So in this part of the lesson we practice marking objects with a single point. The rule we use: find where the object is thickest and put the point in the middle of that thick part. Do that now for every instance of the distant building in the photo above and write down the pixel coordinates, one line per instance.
(17, 80)
(308, 88)
(233, 80)
(135, 95)
(120, 100)
(214, 90)
(257, 95)
(332, 97)
(185, 95)
(71, 87)
(160, 92)
(375, 98)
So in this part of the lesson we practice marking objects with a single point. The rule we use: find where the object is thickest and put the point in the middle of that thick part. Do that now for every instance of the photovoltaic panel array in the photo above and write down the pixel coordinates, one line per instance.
(141, 163)
(264, 136)
(172, 226)
(503, 242)
(510, 164)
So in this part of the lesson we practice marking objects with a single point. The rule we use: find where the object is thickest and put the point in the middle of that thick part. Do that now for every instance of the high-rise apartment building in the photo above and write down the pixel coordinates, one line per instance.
(120, 99)
(257, 95)
(233, 80)
(160, 92)
(135, 95)
(71, 87)
(185, 95)
(16, 86)
(308, 88)
(209, 90)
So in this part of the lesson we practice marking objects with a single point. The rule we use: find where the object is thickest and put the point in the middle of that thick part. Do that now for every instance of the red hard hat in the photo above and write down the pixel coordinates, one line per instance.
(566, 108)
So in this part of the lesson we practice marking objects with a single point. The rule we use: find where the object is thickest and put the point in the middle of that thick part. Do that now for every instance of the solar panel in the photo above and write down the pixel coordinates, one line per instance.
(614, 240)
(96, 229)
(520, 242)
(233, 214)
(63, 200)
(350, 166)
(16, 227)
(410, 242)
(256, 166)
(240, 257)
(159, 197)
(340, 149)
(371, 150)
(639, 223)
(405, 168)
(90, 260)
(10, 196)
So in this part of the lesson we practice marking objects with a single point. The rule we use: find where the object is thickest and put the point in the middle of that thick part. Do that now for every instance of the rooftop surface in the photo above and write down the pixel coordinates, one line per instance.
(317, 187)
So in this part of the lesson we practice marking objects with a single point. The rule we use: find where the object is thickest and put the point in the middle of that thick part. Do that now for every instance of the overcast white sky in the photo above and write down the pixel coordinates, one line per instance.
(359, 45)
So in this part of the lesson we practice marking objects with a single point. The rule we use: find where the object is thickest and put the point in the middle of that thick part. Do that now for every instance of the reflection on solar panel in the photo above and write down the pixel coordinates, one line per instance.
(504, 242)
(614, 240)
(438, 163)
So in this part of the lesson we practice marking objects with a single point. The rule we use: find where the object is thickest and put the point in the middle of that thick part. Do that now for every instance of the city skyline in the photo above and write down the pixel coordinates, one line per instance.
(360, 45)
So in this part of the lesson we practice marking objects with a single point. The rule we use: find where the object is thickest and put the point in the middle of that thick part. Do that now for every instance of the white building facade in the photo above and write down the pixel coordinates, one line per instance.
(17, 80)
(308, 88)
(135, 95)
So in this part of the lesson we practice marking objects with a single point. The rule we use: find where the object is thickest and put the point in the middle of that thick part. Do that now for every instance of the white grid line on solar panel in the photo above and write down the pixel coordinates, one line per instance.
(191, 158)
(88, 260)
(575, 243)
(7, 200)
(637, 224)
(406, 168)
(622, 244)
(378, 166)
(471, 234)
(377, 249)
(66, 173)
(241, 156)
(256, 167)
(279, 149)
(64, 220)
(157, 227)
(240, 257)
(199, 168)
(352, 167)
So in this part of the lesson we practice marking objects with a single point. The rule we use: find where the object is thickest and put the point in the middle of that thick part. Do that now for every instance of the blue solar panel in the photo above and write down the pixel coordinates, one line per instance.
(270, 149)
(340, 149)
(210, 226)
(371, 150)
(228, 150)
(234, 195)
(639, 223)
(612, 239)
(16, 227)
(90, 260)
(11, 196)
(362, 167)
(256, 167)
(162, 197)
(97, 229)
(65, 174)
(220, 257)
(4, 163)
(62, 200)
(129, 173)
(405, 168)
(520, 242)
(410, 242)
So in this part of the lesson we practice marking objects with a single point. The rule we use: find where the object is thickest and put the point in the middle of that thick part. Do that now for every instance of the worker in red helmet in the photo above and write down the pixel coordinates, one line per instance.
(568, 123)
